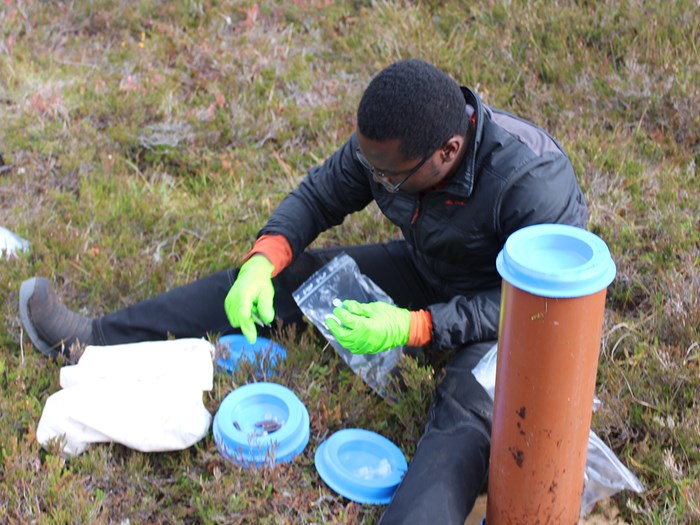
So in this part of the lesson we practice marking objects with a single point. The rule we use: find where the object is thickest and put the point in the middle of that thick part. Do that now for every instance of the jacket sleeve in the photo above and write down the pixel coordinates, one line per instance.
(324, 197)
(545, 192)
(464, 320)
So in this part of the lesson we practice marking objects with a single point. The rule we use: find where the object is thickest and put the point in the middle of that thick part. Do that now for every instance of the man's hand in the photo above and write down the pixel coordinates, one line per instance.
(250, 298)
(369, 328)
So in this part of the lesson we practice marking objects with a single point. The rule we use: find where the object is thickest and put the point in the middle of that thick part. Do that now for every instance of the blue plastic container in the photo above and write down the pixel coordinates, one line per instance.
(261, 422)
(361, 465)
(264, 355)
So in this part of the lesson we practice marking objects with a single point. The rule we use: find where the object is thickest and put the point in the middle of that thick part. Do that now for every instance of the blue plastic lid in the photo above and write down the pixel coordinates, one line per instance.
(259, 422)
(556, 260)
(361, 465)
(236, 347)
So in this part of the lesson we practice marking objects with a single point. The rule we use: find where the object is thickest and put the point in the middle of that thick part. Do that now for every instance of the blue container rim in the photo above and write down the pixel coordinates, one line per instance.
(238, 447)
(556, 260)
(329, 462)
(237, 348)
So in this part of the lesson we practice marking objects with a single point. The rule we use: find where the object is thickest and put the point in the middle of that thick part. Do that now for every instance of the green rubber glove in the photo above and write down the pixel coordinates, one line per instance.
(250, 298)
(369, 328)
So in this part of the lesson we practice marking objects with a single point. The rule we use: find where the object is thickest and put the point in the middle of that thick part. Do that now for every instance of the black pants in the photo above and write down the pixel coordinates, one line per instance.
(450, 464)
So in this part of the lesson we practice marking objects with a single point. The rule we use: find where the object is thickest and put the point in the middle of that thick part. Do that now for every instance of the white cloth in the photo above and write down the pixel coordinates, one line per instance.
(11, 243)
(146, 396)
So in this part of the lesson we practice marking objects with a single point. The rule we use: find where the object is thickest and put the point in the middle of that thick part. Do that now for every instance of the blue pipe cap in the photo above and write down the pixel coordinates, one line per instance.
(361, 465)
(556, 260)
(259, 423)
(264, 355)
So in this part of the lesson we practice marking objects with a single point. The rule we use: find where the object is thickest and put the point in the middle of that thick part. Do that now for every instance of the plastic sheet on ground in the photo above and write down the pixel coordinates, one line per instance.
(146, 396)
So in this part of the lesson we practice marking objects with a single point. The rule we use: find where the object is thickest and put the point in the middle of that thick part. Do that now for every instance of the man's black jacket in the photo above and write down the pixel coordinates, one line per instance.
(513, 175)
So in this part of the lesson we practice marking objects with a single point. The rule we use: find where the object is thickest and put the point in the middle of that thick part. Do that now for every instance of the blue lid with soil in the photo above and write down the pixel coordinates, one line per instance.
(259, 423)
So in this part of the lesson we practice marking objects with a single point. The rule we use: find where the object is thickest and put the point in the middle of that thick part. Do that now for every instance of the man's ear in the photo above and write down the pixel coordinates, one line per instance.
(451, 148)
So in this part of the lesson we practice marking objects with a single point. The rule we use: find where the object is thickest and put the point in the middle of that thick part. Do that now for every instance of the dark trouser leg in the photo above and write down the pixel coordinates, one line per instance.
(451, 461)
(192, 310)
(197, 309)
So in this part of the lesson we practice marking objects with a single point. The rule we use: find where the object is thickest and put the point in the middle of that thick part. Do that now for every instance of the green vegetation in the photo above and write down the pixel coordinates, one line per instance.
(145, 143)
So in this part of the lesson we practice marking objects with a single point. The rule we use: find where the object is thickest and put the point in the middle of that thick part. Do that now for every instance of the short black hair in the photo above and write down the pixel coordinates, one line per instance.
(415, 102)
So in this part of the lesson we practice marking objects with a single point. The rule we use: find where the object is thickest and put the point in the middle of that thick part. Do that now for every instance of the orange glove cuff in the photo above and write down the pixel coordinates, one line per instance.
(276, 248)
(421, 331)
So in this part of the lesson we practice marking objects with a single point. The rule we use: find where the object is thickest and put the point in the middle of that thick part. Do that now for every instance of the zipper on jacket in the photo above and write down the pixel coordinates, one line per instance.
(414, 218)
(416, 211)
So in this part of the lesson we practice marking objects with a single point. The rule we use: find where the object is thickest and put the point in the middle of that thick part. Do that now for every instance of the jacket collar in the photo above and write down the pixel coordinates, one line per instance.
(462, 183)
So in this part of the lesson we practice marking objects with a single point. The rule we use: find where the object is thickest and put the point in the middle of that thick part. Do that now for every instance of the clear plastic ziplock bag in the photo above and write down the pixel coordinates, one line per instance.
(604, 476)
(341, 279)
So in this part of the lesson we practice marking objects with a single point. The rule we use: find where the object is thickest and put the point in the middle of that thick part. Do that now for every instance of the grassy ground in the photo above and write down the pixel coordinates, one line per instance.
(143, 145)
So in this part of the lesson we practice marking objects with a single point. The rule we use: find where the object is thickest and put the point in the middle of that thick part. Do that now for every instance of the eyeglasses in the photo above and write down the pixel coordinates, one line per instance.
(383, 178)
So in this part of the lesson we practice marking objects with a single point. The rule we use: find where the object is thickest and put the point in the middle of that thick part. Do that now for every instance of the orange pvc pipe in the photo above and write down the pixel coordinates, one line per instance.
(545, 381)
(555, 279)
